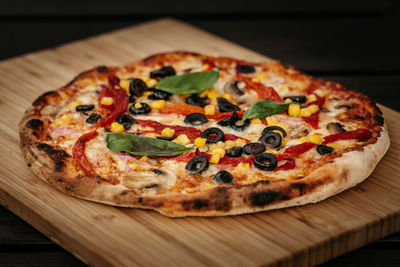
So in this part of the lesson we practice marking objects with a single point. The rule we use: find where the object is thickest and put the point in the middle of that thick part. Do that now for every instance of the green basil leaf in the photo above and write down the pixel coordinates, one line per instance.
(143, 146)
(189, 83)
(264, 108)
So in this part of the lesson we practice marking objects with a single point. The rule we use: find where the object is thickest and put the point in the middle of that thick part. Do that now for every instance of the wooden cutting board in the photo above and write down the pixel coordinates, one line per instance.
(102, 235)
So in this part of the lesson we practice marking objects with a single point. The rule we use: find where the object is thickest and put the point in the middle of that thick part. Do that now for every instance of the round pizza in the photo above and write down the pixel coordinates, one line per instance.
(188, 134)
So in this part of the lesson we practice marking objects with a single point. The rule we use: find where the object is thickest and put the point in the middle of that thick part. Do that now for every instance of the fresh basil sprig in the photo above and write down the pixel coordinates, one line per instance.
(265, 108)
(143, 146)
(189, 83)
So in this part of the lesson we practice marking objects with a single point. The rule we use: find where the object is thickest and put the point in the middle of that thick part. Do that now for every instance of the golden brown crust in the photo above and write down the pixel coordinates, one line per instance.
(332, 176)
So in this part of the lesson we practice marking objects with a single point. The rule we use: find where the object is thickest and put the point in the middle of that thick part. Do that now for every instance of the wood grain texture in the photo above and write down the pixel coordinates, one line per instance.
(102, 235)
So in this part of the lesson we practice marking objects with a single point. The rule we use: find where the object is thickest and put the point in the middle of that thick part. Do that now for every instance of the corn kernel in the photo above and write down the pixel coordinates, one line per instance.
(182, 139)
(200, 142)
(313, 108)
(116, 127)
(217, 145)
(303, 139)
(215, 158)
(147, 93)
(124, 84)
(271, 121)
(284, 126)
(176, 120)
(212, 94)
(262, 76)
(209, 110)
(138, 105)
(151, 82)
(316, 139)
(282, 88)
(294, 110)
(288, 100)
(305, 112)
(311, 98)
(255, 80)
(144, 158)
(227, 96)
(158, 104)
(168, 132)
(74, 104)
(108, 101)
(219, 151)
(255, 121)
(334, 146)
(242, 167)
(229, 144)
(240, 142)
(204, 93)
(64, 119)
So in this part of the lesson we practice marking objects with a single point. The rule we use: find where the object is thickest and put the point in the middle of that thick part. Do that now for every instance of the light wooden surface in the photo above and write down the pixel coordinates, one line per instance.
(103, 235)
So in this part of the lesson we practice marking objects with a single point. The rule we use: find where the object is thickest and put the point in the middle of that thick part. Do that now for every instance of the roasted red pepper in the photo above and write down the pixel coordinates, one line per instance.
(236, 161)
(299, 149)
(78, 152)
(319, 102)
(119, 105)
(288, 165)
(191, 132)
(210, 64)
(312, 120)
(356, 134)
(183, 109)
(234, 137)
(263, 92)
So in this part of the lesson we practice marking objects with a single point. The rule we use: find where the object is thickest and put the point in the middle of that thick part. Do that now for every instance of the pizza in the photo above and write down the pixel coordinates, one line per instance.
(188, 134)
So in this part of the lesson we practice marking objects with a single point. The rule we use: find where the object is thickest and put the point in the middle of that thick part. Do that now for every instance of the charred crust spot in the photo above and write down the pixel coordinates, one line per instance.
(196, 204)
(42, 98)
(124, 193)
(101, 69)
(302, 187)
(34, 124)
(29, 165)
(221, 196)
(140, 200)
(379, 119)
(357, 117)
(58, 156)
(264, 198)
(77, 77)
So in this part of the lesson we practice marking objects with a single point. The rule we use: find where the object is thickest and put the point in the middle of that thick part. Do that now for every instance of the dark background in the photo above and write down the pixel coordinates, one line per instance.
(356, 43)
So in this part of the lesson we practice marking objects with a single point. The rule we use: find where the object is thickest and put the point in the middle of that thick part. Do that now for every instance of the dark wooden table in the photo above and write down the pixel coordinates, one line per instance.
(354, 43)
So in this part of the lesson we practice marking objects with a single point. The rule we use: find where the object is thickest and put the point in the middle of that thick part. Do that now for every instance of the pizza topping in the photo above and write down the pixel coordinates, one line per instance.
(165, 138)
(322, 149)
(264, 108)
(191, 132)
(197, 164)
(274, 129)
(226, 106)
(159, 95)
(196, 119)
(93, 118)
(228, 121)
(223, 177)
(298, 99)
(234, 152)
(125, 120)
(137, 87)
(299, 149)
(78, 152)
(213, 135)
(183, 109)
(143, 146)
(299, 131)
(196, 100)
(189, 83)
(359, 134)
(139, 108)
(265, 161)
(163, 72)
(335, 127)
(245, 69)
(240, 125)
(271, 140)
(312, 120)
(254, 148)
(288, 164)
(263, 92)
(234, 88)
(84, 107)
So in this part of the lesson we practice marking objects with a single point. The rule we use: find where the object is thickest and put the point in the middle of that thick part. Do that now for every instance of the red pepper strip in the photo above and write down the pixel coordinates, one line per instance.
(210, 63)
(119, 105)
(220, 116)
(299, 149)
(235, 161)
(191, 132)
(183, 109)
(234, 137)
(288, 165)
(78, 152)
(356, 134)
(263, 92)
(319, 102)
(312, 120)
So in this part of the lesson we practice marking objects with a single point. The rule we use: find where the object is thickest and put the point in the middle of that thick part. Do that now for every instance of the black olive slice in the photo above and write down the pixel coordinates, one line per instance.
(229, 120)
(140, 111)
(137, 87)
(93, 118)
(84, 107)
(163, 72)
(226, 106)
(196, 101)
(159, 95)
(165, 138)
(196, 119)
(239, 125)
(254, 148)
(223, 177)
(322, 150)
(234, 152)
(197, 164)
(298, 98)
(220, 136)
(265, 161)
(245, 68)
(274, 128)
(271, 140)
(132, 99)
(126, 120)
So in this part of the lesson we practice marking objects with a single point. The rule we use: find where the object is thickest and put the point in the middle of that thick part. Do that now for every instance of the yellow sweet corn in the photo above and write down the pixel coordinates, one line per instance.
(229, 144)
(313, 108)
(284, 126)
(151, 82)
(242, 167)
(271, 121)
(158, 104)
(255, 80)
(294, 110)
(316, 139)
(74, 104)
(147, 93)
(282, 88)
(144, 158)
(288, 100)
(311, 98)
(124, 84)
(255, 121)
(204, 93)
(303, 139)
(168, 132)
(182, 140)
(108, 101)
(209, 110)
(138, 105)
(305, 112)
(240, 142)
(212, 94)
(200, 142)
(227, 96)
(215, 158)
(176, 120)
(262, 76)
(334, 146)
(64, 119)
(116, 127)
(219, 151)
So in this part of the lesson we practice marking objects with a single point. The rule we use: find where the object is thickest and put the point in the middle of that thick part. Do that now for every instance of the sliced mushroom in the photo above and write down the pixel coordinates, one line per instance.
(299, 131)
(157, 178)
(234, 88)
(335, 127)
(343, 104)
(247, 99)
